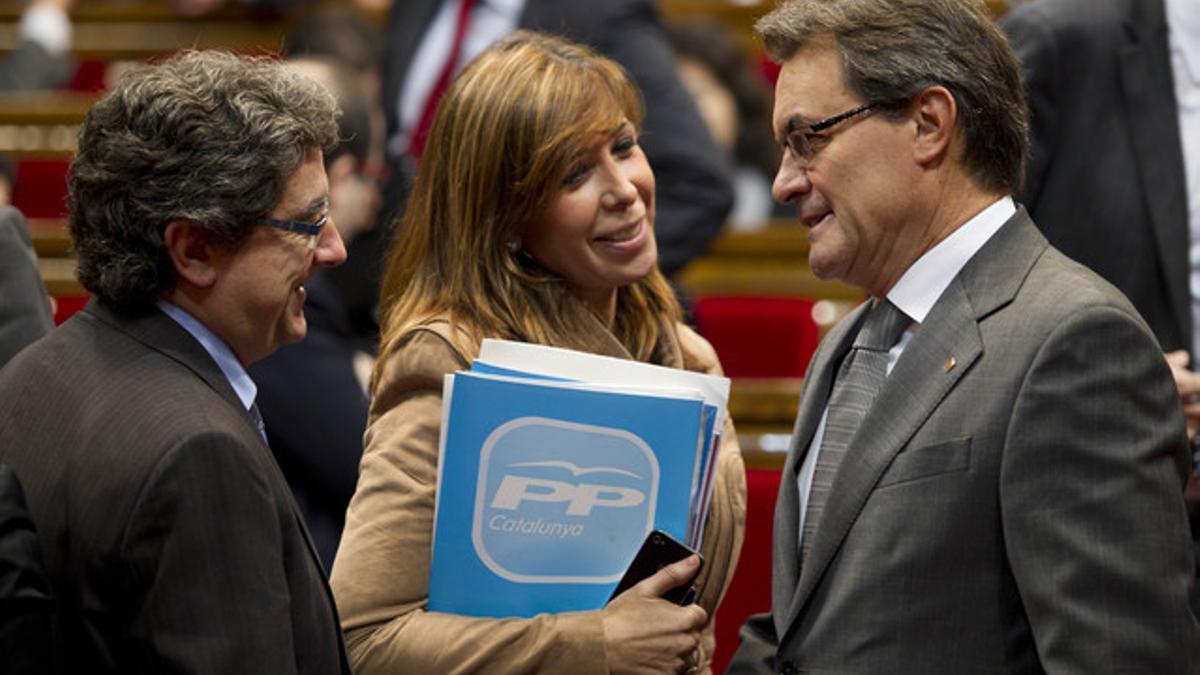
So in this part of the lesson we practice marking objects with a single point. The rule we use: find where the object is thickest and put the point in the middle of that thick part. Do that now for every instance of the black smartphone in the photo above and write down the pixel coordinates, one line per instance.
(658, 550)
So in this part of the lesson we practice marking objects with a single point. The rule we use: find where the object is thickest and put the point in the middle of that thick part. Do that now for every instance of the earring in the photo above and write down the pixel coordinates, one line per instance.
(519, 254)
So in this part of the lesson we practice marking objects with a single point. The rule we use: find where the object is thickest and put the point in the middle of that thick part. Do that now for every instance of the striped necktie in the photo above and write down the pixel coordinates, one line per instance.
(859, 380)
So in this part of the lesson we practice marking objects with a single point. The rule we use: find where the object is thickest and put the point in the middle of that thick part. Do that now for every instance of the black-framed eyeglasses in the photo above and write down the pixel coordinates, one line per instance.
(801, 139)
(310, 230)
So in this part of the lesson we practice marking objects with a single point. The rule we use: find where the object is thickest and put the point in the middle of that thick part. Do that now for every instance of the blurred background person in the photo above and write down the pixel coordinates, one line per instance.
(41, 61)
(1127, 71)
(531, 218)
(42, 57)
(350, 38)
(734, 99)
(328, 369)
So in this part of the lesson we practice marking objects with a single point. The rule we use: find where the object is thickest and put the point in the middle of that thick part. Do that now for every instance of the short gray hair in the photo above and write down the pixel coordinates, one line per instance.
(205, 137)
(894, 49)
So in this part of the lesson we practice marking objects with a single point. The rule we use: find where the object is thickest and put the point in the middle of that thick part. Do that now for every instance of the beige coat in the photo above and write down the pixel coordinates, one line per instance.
(381, 575)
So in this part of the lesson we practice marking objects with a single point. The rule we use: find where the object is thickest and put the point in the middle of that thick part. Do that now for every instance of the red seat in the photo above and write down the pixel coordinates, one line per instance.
(759, 336)
(66, 305)
(750, 591)
(40, 190)
(90, 76)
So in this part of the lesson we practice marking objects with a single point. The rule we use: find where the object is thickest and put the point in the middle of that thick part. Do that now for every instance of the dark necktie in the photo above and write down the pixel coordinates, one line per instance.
(859, 380)
(256, 416)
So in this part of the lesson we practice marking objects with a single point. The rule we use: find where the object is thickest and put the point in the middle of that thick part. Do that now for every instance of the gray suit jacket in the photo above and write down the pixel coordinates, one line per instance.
(1106, 176)
(31, 67)
(24, 307)
(1011, 504)
(170, 538)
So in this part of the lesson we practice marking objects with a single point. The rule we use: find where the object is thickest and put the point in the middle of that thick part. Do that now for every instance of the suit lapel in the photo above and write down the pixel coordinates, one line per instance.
(1149, 100)
(921, 379)
(785, 571)
(161, 333)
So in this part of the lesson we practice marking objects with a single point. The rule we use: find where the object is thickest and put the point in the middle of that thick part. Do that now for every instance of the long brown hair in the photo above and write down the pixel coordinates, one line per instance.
(507, 130)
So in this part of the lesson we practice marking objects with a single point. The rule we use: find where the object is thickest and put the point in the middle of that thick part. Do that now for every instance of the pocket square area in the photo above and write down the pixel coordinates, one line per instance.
(927, 461)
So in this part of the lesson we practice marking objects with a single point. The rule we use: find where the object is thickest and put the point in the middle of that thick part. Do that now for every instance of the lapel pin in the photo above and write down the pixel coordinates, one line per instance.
(950, 363)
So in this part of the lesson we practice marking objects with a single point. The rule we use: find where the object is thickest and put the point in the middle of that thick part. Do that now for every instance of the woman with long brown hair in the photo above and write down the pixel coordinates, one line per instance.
(531, 218)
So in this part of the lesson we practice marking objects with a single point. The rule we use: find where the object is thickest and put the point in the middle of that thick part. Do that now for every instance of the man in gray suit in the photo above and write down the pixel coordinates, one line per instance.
(198, 209)
(987, 467)
(25, 310)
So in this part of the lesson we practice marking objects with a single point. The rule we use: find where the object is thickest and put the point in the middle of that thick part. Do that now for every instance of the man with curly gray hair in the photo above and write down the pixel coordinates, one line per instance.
(198, 210)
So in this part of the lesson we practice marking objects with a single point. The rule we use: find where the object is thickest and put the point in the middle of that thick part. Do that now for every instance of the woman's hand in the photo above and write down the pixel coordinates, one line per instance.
(645, 634)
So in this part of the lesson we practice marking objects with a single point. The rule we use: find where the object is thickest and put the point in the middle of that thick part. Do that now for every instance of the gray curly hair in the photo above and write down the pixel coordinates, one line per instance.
(205, 137)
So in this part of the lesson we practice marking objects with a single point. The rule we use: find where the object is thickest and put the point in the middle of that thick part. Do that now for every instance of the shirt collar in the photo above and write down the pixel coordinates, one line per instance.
(923, 283)
(1183, 25)
(238, 378)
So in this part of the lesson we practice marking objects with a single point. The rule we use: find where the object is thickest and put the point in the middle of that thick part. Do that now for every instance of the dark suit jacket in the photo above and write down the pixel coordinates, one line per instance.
(26, 608)
(315, 413)
(1106, 178)
(1017, 509)
(24, 308)
(170, 537)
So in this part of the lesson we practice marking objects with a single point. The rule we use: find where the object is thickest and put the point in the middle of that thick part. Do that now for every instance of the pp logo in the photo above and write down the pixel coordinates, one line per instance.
(560, 502)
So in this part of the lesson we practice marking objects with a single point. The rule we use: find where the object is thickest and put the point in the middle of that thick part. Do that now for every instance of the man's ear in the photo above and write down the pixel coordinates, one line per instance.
(191, 253)
(936, 116)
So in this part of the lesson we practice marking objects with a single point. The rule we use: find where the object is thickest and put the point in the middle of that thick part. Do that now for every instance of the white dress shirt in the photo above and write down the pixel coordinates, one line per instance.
(490, 21)
(915, 294)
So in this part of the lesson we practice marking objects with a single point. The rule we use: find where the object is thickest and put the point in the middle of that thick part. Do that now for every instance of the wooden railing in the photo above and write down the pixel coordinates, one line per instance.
(42, 123)
(138, 29)
(763, 410)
